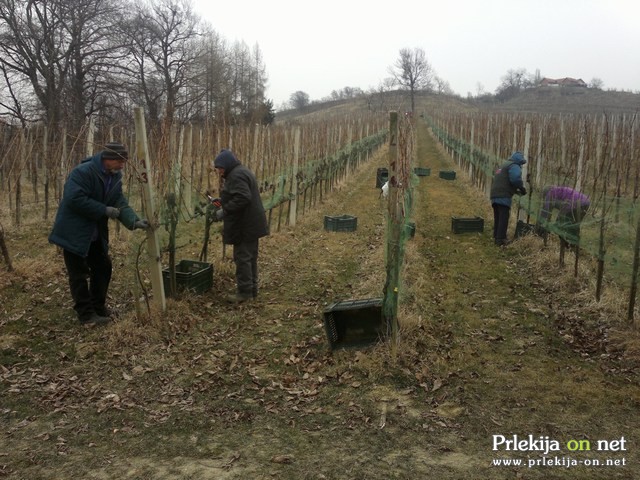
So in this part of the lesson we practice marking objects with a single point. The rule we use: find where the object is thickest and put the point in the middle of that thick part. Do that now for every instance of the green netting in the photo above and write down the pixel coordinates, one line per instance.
(482, 161)
(312, 172)
(400, 228)
(608, 229)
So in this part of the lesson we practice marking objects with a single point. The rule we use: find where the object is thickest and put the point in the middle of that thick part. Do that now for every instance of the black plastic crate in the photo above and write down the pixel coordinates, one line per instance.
(422, 172)
(466, 225)
(447, 174)
(524, 228)
(382, 175)
(190, 275)
(342, 223)
(354, 323)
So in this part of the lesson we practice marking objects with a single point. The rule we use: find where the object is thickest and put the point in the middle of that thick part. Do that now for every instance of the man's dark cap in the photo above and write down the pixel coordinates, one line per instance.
(115, 151)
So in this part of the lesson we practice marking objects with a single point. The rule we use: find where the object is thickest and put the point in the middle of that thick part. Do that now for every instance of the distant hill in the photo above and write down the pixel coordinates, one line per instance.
(577, 100)
(373, 105)
(545, 100)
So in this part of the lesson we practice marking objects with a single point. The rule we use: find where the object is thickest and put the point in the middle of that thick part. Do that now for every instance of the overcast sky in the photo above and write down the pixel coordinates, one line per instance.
(323, 45)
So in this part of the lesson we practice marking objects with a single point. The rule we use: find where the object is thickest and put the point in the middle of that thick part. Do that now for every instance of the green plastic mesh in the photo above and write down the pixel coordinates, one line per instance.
(608, 229)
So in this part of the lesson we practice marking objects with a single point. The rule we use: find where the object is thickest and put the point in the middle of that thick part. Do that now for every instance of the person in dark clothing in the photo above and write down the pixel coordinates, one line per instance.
(244, 220)
(507, 180)
(92, 195)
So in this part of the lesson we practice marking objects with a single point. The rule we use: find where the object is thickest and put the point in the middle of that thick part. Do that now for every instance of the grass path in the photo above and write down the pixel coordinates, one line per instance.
(213, 392)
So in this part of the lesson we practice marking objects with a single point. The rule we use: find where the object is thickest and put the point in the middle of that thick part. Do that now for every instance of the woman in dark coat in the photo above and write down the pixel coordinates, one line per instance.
(244, 219)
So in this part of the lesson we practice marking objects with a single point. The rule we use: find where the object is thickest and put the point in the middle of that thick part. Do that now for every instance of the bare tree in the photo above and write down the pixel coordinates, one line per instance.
(35, 49)
(299, 100)
(248, 82)
(216, 70)
(513, 82)
(442, 86)
(596, 83)
(163, 45)
(95, 54)
(413, 72)
(55, 57)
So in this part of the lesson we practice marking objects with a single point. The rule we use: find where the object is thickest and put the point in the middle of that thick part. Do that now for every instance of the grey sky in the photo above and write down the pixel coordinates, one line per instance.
(318, 47)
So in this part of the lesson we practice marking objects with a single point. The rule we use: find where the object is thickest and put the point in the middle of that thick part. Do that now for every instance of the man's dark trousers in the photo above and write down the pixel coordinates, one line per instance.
(89, 280)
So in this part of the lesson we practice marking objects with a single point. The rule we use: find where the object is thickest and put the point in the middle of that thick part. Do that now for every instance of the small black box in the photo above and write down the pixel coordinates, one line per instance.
(354, 323)
(466, 225)
(190, 275)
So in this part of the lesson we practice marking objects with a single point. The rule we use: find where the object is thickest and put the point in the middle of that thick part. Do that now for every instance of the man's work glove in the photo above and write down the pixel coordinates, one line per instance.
(219, 214)
(521, 191)
(112, 212)
(141, 224)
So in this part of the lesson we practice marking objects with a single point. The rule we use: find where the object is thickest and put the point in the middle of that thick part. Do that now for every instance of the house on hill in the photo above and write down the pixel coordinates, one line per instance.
(562, 82)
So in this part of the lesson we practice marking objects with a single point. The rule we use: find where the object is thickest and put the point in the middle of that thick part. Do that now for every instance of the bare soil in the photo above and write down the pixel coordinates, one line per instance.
(493, 342)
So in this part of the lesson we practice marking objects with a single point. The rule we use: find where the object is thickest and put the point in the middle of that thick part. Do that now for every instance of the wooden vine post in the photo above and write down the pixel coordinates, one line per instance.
(634, 276)
(522, 214)
(394, 231)
(45, 167)
(91, 132)
(293, 208)
(153, 244)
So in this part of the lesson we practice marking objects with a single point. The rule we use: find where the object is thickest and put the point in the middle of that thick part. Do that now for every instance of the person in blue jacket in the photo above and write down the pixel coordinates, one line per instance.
(507, 180)
(92, 195)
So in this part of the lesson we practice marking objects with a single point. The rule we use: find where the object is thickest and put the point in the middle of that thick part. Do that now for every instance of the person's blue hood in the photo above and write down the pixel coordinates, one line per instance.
(518, 158)
(226, 159)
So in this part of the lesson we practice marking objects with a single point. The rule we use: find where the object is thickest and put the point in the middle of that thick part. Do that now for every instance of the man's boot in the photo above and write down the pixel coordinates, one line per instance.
(95, 319)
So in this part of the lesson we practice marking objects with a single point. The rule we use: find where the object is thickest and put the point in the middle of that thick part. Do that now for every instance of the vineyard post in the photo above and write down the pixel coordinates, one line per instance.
(91, 131)
(199, 157)
(459, 149)
(601, 245)
(367, 134)
(522, 215)
(539, 159)
(473, 130)
(35, 163)
(22, 154)
(360, 137)
(580, 168)
(177, 165)
(293, 208)
(45, 167)
(563, 143)
(634, 275)
(259, 153)
(63, 166)
(153, 243)
(191, 168)
(498, 151)
(390, 305)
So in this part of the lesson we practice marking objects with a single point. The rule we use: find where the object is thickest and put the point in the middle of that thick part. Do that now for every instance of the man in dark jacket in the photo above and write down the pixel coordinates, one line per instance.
(507, 180)
(92, 195)
(244, 221)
